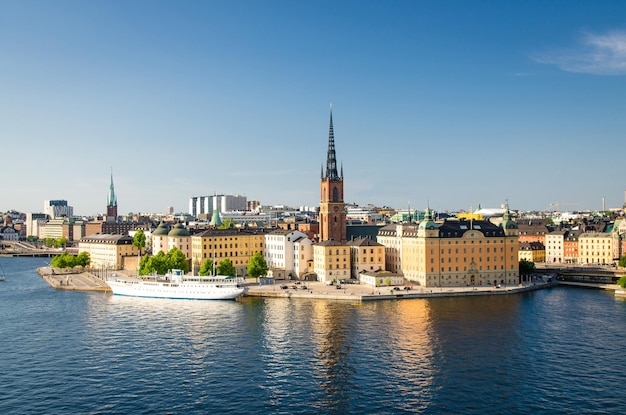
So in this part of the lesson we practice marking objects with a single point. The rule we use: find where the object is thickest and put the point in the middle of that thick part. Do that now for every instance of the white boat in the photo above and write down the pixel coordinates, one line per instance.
(176, 285)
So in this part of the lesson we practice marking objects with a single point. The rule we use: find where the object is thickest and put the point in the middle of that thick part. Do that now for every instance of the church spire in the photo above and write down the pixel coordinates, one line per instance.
(112, 200)
(331, 160)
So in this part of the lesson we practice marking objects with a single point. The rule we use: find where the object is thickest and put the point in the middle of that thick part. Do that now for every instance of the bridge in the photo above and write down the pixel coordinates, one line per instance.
(597, 274)
(24, 249)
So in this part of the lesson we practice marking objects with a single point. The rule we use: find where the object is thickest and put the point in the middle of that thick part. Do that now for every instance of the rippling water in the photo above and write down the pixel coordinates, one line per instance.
(554, 351)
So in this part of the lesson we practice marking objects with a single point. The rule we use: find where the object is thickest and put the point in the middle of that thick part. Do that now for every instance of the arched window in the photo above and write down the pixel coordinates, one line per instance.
(335, 194)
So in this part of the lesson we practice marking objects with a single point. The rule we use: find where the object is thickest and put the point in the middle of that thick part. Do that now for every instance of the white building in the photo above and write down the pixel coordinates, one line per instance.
(108, 251)
(302, 256)
(554, 246)
(379, 279)
(363, 214)
(199, 205)
(33, 222)
(390, 237)
(280, 252)
(57, 208)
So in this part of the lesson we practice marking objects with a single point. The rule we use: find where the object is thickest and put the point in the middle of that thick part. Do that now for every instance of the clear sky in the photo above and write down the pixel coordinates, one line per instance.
(443, 103)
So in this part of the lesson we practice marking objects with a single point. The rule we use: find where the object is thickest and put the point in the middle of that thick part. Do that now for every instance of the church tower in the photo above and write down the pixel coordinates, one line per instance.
(332, 207)
(111, 203)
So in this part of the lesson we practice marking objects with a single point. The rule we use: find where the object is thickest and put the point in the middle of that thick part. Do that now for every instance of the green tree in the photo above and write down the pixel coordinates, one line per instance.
(226, 267)
(64, 260)
(527, 267)
(83, 259)
(60, 242)
(143, 265)
(622, 281)
(622, 261)
(151, 264)
(177, 260)
(257, 267)
(207, 267)
(139, 240)
(49, 242)
(162, 263)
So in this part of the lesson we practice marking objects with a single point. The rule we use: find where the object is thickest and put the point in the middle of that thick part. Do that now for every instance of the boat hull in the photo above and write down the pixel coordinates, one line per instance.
(182, 291)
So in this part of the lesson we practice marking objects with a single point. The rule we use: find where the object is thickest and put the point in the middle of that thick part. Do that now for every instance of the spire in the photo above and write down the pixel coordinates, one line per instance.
(112, 200)
(331, 160)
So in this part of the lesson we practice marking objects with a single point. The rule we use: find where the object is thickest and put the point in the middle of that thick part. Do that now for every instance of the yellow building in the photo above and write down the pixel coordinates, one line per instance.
(331, 261)
(108, 251)
(366, 255)
(459, 252)
(390, 237)
(238, 245)
(532, 252)
(595, 248)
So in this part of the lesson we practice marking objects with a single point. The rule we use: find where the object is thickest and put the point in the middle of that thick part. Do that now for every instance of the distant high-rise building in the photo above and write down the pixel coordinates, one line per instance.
(332, 207)
(169, 210)
(205, 205)
(111, 203)
(57, 208)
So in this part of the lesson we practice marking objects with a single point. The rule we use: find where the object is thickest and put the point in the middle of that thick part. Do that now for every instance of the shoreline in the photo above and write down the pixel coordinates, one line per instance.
(359, 292)
(355, 293)
(72, 281)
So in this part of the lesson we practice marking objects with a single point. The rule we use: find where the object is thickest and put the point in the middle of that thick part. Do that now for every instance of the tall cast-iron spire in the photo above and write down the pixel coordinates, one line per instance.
(331, 160)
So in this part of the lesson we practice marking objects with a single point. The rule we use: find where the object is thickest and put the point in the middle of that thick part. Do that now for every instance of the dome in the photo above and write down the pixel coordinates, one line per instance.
(428, 223)
(507, 222)
(161, 230)
(178, 230)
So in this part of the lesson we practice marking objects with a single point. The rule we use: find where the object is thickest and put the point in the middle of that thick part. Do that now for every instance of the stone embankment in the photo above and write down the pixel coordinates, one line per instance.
(362, 292)
(73, 281)
(356, 293)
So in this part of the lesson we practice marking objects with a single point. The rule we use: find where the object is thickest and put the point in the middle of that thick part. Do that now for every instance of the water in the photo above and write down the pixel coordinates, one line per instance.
(556, 351)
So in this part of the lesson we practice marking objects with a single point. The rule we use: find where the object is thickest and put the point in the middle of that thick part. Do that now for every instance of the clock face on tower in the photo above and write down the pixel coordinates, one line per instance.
(336, 208)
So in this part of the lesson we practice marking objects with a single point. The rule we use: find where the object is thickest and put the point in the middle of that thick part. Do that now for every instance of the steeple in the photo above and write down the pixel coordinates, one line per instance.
(331, 160)
(112, 200)
(111, 203)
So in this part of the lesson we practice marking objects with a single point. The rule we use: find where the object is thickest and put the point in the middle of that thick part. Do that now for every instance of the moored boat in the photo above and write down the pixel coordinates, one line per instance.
(176, 285)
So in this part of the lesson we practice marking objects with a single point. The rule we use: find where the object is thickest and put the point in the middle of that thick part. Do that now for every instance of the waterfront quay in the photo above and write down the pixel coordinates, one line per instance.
(363, 292)
(72, 281)
(87, 281)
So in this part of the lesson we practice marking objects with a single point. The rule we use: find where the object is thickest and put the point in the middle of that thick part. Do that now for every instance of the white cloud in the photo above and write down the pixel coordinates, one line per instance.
(599, 54)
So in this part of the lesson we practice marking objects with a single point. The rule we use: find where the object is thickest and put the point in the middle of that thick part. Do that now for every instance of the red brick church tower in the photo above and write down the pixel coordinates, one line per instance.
(332, 207)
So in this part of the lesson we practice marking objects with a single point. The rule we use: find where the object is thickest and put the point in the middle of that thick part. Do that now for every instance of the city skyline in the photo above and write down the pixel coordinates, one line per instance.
(446, 105)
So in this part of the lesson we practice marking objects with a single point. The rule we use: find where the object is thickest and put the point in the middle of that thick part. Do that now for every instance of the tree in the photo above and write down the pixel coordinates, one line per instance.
(162, 263)
(177, 260)
(83, 259)
(64, 260)
(226, 267)
(49, 242)
(527, 267)
(622, 261)
(622, 282)
(207, 267)
(157, 263)
(257, 267)
(139, 240)
(60, 242)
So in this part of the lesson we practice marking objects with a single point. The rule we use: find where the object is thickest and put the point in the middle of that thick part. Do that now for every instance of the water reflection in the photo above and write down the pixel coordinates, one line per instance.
(333, 324)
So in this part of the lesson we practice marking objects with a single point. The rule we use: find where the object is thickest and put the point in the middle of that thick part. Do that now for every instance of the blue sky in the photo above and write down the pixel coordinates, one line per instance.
(449, 104)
